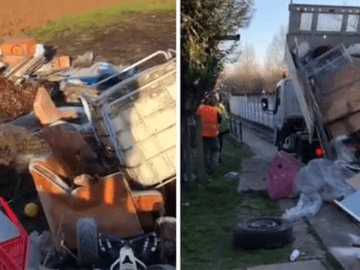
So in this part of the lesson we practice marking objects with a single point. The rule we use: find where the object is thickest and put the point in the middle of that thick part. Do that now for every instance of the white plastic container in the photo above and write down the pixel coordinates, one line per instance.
(294, 255)
(142, 124)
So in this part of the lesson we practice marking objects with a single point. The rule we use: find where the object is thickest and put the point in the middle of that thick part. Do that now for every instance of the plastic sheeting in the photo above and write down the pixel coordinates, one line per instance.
(321, 180)
(354, 49)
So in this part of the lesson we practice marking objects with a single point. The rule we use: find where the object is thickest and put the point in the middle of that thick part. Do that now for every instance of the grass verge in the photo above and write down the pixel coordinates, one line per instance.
(209, 213)
(101, 17)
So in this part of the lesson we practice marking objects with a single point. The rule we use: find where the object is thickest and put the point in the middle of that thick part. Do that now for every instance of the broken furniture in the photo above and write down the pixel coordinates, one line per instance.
(108, 200)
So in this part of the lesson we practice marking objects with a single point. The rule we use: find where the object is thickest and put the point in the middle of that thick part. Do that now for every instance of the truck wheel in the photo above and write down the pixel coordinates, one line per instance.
(262, 232)
(87, 241)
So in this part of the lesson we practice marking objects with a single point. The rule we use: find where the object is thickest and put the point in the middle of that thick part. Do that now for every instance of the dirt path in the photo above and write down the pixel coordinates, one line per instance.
(259, 141)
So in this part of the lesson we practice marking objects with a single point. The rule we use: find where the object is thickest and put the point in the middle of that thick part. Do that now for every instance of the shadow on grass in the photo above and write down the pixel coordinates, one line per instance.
(209, 212)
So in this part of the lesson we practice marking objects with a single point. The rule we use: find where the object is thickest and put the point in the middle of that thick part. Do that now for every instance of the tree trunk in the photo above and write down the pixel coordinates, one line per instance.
(186, 162)
(200, 165)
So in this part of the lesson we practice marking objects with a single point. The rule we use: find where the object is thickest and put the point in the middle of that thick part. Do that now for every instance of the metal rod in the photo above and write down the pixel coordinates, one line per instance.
(134, 65)
(62, 244)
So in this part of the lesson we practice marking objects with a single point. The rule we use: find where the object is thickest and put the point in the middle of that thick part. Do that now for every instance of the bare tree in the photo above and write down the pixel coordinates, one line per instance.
(276, 50)
(275, 63)
(246, 77)
(248, 63)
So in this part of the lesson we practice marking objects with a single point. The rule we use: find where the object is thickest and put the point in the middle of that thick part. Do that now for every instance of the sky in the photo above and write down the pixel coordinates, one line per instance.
(268, 18)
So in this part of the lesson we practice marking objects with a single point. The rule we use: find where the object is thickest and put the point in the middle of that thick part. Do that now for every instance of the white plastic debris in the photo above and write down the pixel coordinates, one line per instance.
(41, 245)
(39, 50)
(354, 239)
(321, 180)
(351, 254)
(303, 49)
(294, 255)
(232, 175)
(344, 152)
(76, 82)
(308, 205)
(34, 255)
(354, 49)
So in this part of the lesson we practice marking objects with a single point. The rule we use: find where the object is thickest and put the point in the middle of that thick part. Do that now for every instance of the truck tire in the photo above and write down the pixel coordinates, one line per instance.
(262, 232)
(87, 241)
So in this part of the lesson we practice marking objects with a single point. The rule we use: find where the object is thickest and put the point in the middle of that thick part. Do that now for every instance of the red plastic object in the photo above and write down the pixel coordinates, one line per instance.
(282, 175)
(14, 252)
(319, 152)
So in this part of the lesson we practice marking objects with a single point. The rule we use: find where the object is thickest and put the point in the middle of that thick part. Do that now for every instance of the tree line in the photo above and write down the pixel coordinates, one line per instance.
(247, 77)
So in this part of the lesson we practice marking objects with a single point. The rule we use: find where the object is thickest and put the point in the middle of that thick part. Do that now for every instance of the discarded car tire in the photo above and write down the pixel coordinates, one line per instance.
(262, 232)
(87, 241)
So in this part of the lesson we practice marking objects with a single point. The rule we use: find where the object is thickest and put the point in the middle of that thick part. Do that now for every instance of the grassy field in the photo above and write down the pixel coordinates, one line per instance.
(93, 19)
(209, 213)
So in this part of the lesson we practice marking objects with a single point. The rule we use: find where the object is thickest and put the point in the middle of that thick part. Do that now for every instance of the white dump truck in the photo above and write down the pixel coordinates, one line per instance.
(319, 102)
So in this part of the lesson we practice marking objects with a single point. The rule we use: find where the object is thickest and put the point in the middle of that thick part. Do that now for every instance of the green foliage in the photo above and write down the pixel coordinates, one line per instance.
(201, 22)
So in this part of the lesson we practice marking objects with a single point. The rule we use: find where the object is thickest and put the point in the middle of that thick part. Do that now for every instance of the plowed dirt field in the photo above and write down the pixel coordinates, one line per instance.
(20, 15)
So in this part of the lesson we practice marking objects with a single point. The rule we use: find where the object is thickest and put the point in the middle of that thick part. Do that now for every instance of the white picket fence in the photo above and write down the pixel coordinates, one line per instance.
(249, 108)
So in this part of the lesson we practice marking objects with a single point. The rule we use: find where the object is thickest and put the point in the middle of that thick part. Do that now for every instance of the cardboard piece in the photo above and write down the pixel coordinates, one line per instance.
(62, 62)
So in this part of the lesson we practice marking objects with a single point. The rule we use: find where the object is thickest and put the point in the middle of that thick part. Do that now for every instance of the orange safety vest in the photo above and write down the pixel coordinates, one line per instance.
(209, 121)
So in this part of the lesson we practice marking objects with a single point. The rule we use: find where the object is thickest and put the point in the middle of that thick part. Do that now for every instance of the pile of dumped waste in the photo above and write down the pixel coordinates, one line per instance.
(321, 180)
(91, 147)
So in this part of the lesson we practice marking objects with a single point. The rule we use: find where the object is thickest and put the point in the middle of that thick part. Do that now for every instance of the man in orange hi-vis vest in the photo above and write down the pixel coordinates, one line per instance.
(210, 119)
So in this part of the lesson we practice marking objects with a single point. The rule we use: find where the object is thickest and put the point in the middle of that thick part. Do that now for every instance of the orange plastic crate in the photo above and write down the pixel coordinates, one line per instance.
(21, 47)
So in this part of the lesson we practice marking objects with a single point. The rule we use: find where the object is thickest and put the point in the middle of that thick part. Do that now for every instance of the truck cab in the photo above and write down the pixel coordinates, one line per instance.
(290, 131)
(288, 114)
(322, 55)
